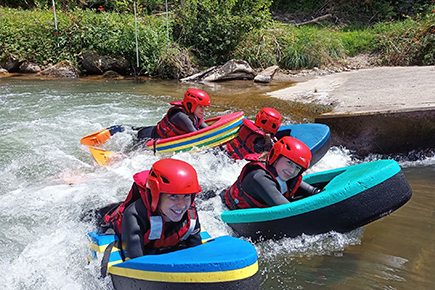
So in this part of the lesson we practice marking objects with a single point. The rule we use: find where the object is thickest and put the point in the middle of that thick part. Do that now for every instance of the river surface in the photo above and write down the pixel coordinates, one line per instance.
(49, 180)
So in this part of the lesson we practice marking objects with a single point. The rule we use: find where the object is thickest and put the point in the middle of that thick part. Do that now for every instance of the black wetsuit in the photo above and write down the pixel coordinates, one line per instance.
(260, 185)
(135, 224)
(179, 119)
(184, 123)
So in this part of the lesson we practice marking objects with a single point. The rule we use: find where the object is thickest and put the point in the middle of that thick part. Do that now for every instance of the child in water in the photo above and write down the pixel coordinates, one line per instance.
(184, 117)
(255, 138)
(274, 182)
(158, 215)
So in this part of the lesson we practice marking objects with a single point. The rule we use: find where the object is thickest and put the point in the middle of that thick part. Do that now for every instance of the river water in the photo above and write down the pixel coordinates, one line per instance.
(49, 180)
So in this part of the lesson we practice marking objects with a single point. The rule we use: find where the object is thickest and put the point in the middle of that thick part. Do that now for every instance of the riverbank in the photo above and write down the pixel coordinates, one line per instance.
(177, 47)
(370, 109)
(383, 110)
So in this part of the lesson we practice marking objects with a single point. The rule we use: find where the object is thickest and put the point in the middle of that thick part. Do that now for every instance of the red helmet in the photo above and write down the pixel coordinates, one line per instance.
(269, 119)
(171, 176)
(193, 98)
(293, 149)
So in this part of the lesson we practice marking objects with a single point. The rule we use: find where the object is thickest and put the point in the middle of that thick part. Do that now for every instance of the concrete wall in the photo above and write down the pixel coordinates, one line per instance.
(382, 132)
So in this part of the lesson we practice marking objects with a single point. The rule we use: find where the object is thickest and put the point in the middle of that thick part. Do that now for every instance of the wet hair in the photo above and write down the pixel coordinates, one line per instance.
(267, 141)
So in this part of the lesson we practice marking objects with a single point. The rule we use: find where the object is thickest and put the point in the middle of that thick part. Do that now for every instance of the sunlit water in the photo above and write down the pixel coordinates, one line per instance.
(49, 180)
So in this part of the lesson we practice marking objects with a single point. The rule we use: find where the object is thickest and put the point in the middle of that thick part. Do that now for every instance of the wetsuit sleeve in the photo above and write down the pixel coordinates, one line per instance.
(203, 125)
(305, 190)
(261, 186)
(133, 230)
(182, 122)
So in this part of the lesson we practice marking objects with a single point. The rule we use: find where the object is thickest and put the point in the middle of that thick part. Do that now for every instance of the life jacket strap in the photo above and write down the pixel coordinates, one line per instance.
(192, 225)
(106, 256)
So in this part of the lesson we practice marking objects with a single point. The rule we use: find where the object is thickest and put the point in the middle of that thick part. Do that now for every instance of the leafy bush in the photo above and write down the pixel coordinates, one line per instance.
(114, 34)
(143, 6)
(410, 42)
(260, 49)
(297, 5)
(30, 35)
(355, 11)
(214, 28)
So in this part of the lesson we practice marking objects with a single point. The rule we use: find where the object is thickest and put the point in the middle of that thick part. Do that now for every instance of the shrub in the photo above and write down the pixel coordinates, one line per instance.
(410, 42)
(214, 28)
(30, 35)
(292, 47)
(355, 11)
(260, 49)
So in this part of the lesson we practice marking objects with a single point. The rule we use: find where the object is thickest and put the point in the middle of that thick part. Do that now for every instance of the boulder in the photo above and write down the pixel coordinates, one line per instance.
(3, 72)
(29, 67)
(11, 63)
(266, 75)
(232, 70)
(63, 69)
(177, 63)
(92, 63)
(198, 76)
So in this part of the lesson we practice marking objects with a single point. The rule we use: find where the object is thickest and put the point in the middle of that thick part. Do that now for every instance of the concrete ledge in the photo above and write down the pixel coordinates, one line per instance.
(383, 110)
(385, 132)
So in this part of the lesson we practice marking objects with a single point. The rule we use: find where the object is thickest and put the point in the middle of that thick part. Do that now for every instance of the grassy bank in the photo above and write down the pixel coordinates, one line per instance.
(407, 42)
(30, 35)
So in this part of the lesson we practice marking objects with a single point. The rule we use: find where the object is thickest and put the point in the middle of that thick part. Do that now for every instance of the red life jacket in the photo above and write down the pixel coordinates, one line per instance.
(166, 129)
(237, 198)
(155, 236)
(243, 144)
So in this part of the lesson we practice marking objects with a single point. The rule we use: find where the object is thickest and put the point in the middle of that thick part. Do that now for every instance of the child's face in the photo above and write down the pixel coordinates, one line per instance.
(174, 206)
(199, 111)
(286, 168)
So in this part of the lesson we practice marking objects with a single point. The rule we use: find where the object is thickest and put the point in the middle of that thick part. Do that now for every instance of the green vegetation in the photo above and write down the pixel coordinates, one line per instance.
(210, 32)
(214, 28)
(410, 42)
(363, 12)
(31, 36)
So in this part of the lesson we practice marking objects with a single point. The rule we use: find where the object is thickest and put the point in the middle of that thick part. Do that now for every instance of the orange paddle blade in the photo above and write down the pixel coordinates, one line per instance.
(96, 138)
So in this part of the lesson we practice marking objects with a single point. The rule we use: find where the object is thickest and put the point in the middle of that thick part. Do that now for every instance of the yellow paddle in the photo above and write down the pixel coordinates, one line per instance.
(101, 156)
